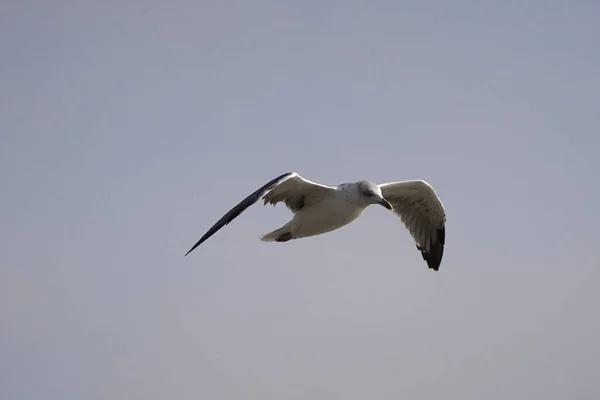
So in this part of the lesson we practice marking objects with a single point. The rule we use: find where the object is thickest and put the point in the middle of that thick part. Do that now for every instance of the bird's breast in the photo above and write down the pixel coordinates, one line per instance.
(325, 216)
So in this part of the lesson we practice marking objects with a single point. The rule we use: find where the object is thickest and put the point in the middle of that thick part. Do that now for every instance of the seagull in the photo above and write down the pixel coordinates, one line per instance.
(320, 209)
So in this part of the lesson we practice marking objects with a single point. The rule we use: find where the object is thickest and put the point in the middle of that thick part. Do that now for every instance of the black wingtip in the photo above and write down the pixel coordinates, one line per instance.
(434, 256)
(239, 208)
(198, 243)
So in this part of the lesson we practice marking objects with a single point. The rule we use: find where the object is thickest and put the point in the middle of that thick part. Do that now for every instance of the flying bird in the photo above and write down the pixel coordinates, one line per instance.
(320, 209)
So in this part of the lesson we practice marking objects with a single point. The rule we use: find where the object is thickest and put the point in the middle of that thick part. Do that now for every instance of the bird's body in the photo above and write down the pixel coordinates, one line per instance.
(331, 213)
(320, 209)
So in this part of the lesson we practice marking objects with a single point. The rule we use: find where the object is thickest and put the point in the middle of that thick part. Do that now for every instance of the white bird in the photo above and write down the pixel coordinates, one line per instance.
(319, 209)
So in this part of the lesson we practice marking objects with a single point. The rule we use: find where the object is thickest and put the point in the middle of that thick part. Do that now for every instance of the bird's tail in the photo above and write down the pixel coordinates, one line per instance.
(282, 234)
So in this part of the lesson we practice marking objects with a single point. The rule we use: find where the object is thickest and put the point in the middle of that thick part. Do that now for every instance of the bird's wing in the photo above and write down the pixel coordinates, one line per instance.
(297, 193)
(289, 187)
(423, 214)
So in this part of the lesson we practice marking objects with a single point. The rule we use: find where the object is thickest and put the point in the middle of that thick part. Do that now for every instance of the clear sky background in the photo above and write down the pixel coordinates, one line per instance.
(128, 128)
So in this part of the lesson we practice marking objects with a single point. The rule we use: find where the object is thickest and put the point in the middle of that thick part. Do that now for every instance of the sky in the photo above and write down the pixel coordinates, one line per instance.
(128, 128)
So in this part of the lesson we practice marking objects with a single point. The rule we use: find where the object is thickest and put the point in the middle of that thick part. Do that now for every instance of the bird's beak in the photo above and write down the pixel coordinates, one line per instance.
(386, 204)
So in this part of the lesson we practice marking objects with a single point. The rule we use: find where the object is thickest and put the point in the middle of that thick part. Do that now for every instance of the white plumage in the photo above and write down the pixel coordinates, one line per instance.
(319, 209)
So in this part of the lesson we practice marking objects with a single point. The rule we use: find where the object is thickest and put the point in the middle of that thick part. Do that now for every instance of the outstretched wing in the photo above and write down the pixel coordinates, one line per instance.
(422, 213)
(290, 187)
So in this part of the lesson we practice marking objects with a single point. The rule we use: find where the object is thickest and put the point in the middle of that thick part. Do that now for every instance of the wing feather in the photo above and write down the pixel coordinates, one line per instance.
(423, 214)
(297, 192)
(290, 187)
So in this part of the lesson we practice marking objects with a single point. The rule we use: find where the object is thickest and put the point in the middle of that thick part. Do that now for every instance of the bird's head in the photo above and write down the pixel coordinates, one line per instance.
(370, 193)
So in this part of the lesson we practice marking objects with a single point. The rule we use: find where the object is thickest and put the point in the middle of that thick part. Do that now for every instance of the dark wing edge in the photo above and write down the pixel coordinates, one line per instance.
(433, 257)
(241, 207)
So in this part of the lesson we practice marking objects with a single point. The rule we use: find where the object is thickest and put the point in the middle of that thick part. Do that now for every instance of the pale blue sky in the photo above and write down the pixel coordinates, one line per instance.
(128, 128)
